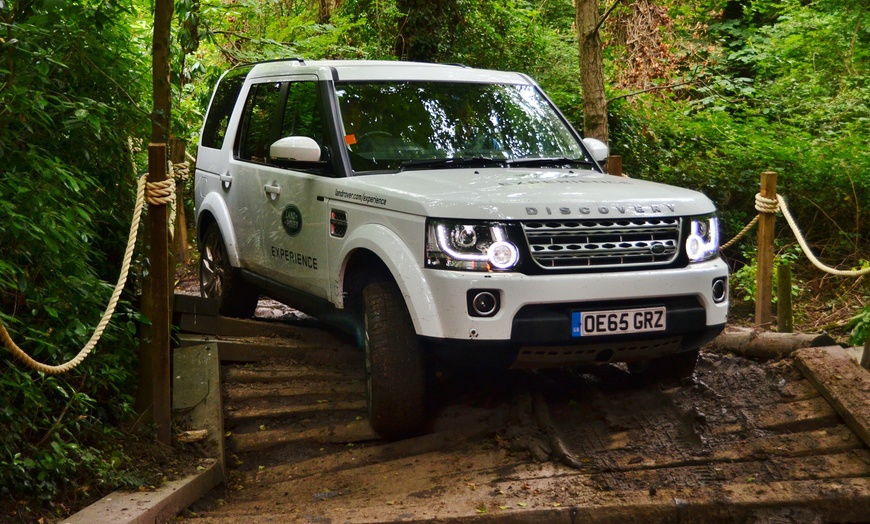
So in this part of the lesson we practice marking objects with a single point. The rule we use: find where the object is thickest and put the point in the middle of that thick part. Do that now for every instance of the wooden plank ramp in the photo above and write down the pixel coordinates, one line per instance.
(742, 441)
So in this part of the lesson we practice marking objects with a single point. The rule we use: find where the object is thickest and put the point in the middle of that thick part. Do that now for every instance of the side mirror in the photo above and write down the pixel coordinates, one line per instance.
(597, 149)
(296, 148)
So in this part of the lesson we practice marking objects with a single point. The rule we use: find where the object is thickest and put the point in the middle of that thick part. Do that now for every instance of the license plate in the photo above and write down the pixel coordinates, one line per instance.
(618, 321)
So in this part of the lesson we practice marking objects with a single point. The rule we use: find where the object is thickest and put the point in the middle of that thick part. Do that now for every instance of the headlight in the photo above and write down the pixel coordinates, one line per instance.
(703, 241)
(470, 246)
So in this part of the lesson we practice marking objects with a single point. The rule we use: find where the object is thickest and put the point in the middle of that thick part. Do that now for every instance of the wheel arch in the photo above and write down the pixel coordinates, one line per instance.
(213, 210)
(379, 254)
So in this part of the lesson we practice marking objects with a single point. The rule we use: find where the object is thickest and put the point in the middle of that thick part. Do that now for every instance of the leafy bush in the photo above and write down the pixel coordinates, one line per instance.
(860, 327)
(744, 279)
(69, 84)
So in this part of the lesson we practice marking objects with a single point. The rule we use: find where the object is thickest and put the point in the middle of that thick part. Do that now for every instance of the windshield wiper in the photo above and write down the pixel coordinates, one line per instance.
(459, 161)
(549, 162)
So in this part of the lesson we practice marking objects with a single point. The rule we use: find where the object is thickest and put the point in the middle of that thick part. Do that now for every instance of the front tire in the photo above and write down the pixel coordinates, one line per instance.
(219, 281)
(395, 367)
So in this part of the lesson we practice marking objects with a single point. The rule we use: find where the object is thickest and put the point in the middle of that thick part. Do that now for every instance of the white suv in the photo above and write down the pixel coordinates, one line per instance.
(442, 211)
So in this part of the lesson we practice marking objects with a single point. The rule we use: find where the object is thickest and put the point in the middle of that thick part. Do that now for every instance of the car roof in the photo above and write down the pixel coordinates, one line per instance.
(384, 70)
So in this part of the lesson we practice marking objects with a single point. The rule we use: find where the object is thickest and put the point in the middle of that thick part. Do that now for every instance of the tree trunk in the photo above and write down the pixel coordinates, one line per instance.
(325, 11)
(426, 29)
(160, 117)
(591, 70)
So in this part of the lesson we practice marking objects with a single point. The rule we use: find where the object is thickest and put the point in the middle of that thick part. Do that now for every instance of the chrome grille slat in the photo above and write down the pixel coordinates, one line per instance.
(565, 244)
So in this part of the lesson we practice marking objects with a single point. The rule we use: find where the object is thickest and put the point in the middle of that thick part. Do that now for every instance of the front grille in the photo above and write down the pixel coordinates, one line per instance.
(566, 244)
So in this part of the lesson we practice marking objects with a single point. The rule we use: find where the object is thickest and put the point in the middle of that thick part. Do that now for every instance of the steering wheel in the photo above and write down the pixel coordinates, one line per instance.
(374, 140)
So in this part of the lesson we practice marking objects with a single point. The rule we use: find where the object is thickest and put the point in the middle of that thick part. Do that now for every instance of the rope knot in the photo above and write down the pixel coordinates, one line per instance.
(160, 193)
(180, 171)
(766, 205)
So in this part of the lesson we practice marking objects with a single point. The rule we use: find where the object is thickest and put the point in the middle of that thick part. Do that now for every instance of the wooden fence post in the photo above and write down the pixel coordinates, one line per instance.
(784, 310)
(865, 357)
(613, 165)
(156, 306)
(766, 235)
(176, 156)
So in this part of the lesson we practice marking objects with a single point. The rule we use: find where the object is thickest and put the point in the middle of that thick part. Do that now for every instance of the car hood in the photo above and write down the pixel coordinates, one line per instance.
(512, 193)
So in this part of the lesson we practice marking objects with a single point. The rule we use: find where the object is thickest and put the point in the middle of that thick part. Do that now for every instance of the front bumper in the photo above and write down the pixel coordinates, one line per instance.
(534, 314)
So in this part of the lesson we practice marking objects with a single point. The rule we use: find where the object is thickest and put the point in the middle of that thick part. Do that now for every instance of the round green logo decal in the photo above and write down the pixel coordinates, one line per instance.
(291, 219)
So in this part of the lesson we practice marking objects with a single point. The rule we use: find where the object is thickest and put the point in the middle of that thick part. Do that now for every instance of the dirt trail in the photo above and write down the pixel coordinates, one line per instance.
(742, 441)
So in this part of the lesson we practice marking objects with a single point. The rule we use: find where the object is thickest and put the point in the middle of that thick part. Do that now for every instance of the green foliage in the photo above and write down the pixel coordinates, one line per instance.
(763, 84)
(782, 86)
(744, 279)
(71, 82)
(859, 326)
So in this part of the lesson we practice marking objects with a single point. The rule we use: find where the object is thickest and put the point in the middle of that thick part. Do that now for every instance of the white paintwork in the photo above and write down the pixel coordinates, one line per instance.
(387, 214)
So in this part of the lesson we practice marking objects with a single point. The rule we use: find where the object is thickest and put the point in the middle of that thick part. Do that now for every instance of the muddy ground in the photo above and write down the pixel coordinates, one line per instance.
(741, 441)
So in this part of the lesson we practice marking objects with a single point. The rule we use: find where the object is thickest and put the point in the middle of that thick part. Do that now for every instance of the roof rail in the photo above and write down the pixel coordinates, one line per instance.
(301, 61)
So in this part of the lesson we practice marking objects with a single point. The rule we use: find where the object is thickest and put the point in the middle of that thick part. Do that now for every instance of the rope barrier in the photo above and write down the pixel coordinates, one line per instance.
(742, 232)
(803, 243)
(778, 204)
(155, 193)
(163, 193)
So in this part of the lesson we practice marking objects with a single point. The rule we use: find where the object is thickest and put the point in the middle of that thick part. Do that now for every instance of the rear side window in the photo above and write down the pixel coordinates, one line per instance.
(218, 118)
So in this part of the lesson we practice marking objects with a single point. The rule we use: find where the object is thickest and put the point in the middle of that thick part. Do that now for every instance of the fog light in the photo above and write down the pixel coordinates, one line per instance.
(720, 289)
(482, 303)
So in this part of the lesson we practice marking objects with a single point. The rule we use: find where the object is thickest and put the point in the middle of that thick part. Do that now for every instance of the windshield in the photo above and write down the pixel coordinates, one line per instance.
(407, 125)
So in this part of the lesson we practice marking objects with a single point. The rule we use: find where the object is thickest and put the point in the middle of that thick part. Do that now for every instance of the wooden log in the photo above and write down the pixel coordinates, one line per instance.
(842, 382)
(767, 344)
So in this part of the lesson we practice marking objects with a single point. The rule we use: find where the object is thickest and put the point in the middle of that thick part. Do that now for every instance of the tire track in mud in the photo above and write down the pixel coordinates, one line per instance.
(735, 421)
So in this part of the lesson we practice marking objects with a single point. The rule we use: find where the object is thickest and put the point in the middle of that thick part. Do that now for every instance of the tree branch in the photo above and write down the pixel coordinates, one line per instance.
(606, 14)
(252, 39)
(648, 89)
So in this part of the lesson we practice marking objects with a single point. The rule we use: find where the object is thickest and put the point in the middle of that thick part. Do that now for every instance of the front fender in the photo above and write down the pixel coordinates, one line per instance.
(216, 206)
(404, 266)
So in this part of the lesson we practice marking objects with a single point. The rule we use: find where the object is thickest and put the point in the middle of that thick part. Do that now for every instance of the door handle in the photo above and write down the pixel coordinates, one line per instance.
(273, 189)
(226, 180)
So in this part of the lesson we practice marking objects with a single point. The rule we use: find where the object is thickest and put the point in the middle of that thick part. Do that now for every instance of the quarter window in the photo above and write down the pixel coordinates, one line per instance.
(215, 129)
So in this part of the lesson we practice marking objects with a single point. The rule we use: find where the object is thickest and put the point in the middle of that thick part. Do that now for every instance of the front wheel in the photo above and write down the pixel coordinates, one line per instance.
(395, 367)
(219, 281)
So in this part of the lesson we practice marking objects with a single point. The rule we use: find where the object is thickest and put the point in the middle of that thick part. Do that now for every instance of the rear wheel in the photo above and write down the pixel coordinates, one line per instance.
(395, 366)
(670, 367)
(219, 281)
